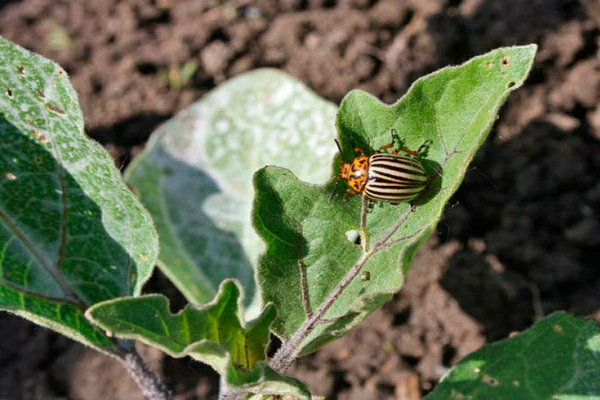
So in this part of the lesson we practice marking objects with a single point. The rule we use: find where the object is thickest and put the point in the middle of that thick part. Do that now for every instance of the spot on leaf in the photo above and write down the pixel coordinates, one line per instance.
(488, 380)
(54, 109)
(40, 136)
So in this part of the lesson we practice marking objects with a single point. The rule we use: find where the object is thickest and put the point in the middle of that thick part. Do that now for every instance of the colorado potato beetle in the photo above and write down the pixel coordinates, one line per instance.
(389, 177)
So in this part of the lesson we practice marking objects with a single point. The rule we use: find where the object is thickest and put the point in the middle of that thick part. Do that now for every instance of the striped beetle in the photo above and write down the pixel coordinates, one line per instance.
(389, 177)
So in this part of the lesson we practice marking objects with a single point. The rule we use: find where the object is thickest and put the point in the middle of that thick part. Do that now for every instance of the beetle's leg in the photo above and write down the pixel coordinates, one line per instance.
(407, 151)
(353, 144)
(370, 205)
(391, 144)
(421, 148)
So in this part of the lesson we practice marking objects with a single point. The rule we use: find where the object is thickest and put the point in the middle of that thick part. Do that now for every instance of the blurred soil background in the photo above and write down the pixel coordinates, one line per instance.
(519, 240)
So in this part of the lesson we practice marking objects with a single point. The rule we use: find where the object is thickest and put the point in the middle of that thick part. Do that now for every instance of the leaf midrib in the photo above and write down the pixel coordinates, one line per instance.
(44, 262)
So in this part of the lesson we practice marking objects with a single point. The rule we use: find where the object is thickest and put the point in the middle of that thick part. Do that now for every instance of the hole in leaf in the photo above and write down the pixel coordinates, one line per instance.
(504, 61)
(353, 236)
(37, 160)
(511, 84)
(9, 93)
(40, 136)
(365, 276)
(21, 70)
(40, 93)
(488, 380)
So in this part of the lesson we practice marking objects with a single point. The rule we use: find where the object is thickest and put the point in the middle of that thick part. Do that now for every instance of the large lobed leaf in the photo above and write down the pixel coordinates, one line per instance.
(71, 233)
(452, 110)
(212, 333)
(558, 358)
(195, 175)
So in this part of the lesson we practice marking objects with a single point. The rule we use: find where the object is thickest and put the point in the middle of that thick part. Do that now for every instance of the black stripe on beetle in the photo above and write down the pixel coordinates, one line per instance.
(390, 177)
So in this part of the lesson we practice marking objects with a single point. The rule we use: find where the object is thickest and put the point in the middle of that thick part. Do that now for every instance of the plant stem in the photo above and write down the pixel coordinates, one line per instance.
(144, 377)
(228, 393)
(286, 354)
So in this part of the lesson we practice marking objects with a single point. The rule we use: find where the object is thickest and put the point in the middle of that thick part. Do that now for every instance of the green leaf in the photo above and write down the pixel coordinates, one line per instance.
(195, 175)
(213, 334)
(71, 233)
(557, 358)
(452, 110)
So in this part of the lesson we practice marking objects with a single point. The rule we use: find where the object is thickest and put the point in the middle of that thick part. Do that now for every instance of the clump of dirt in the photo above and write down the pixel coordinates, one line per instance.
(519, 240)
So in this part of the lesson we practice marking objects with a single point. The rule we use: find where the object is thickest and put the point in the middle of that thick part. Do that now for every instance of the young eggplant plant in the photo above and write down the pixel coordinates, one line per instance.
(53, 194)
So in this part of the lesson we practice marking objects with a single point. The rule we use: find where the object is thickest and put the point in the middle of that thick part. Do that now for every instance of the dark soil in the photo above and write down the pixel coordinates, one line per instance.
(519, 240)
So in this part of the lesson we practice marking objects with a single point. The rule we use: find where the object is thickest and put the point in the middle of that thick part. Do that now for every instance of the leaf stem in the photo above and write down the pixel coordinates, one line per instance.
(363, 224)
(286, 354)
(228, 393)
(149, 384)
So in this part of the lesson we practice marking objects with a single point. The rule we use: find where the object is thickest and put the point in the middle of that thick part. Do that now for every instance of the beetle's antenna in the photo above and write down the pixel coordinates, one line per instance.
(335, 186)
(340, 149)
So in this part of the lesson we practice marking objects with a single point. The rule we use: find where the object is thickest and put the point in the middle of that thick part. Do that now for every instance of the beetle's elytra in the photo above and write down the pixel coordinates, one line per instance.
(389, 177)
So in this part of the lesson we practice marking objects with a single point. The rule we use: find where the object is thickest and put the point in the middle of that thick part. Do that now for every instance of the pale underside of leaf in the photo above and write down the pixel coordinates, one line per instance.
(195, 175)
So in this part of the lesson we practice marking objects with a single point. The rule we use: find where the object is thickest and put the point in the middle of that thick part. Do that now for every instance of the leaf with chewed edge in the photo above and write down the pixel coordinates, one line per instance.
(213, 334)
(313, 239)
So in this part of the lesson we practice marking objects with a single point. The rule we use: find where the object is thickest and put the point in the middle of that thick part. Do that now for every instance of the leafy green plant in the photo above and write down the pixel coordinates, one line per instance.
(253, 254)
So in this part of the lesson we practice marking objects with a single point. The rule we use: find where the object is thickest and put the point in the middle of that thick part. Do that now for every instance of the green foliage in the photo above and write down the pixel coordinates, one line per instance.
(452, 110)
(71, 233)
(213, 334)
(557, 358)
(195, 175)
(177, 78)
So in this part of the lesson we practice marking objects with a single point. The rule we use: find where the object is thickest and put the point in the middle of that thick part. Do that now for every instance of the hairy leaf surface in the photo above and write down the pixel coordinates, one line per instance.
(213, 333)
(306, 233)
(71, 233)
(557, 358)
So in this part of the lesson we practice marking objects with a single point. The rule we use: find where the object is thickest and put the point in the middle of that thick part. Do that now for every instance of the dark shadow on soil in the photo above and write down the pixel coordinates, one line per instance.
(529, 222)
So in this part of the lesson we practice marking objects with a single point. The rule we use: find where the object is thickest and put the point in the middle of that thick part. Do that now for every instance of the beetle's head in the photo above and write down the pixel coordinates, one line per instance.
(345, 170)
